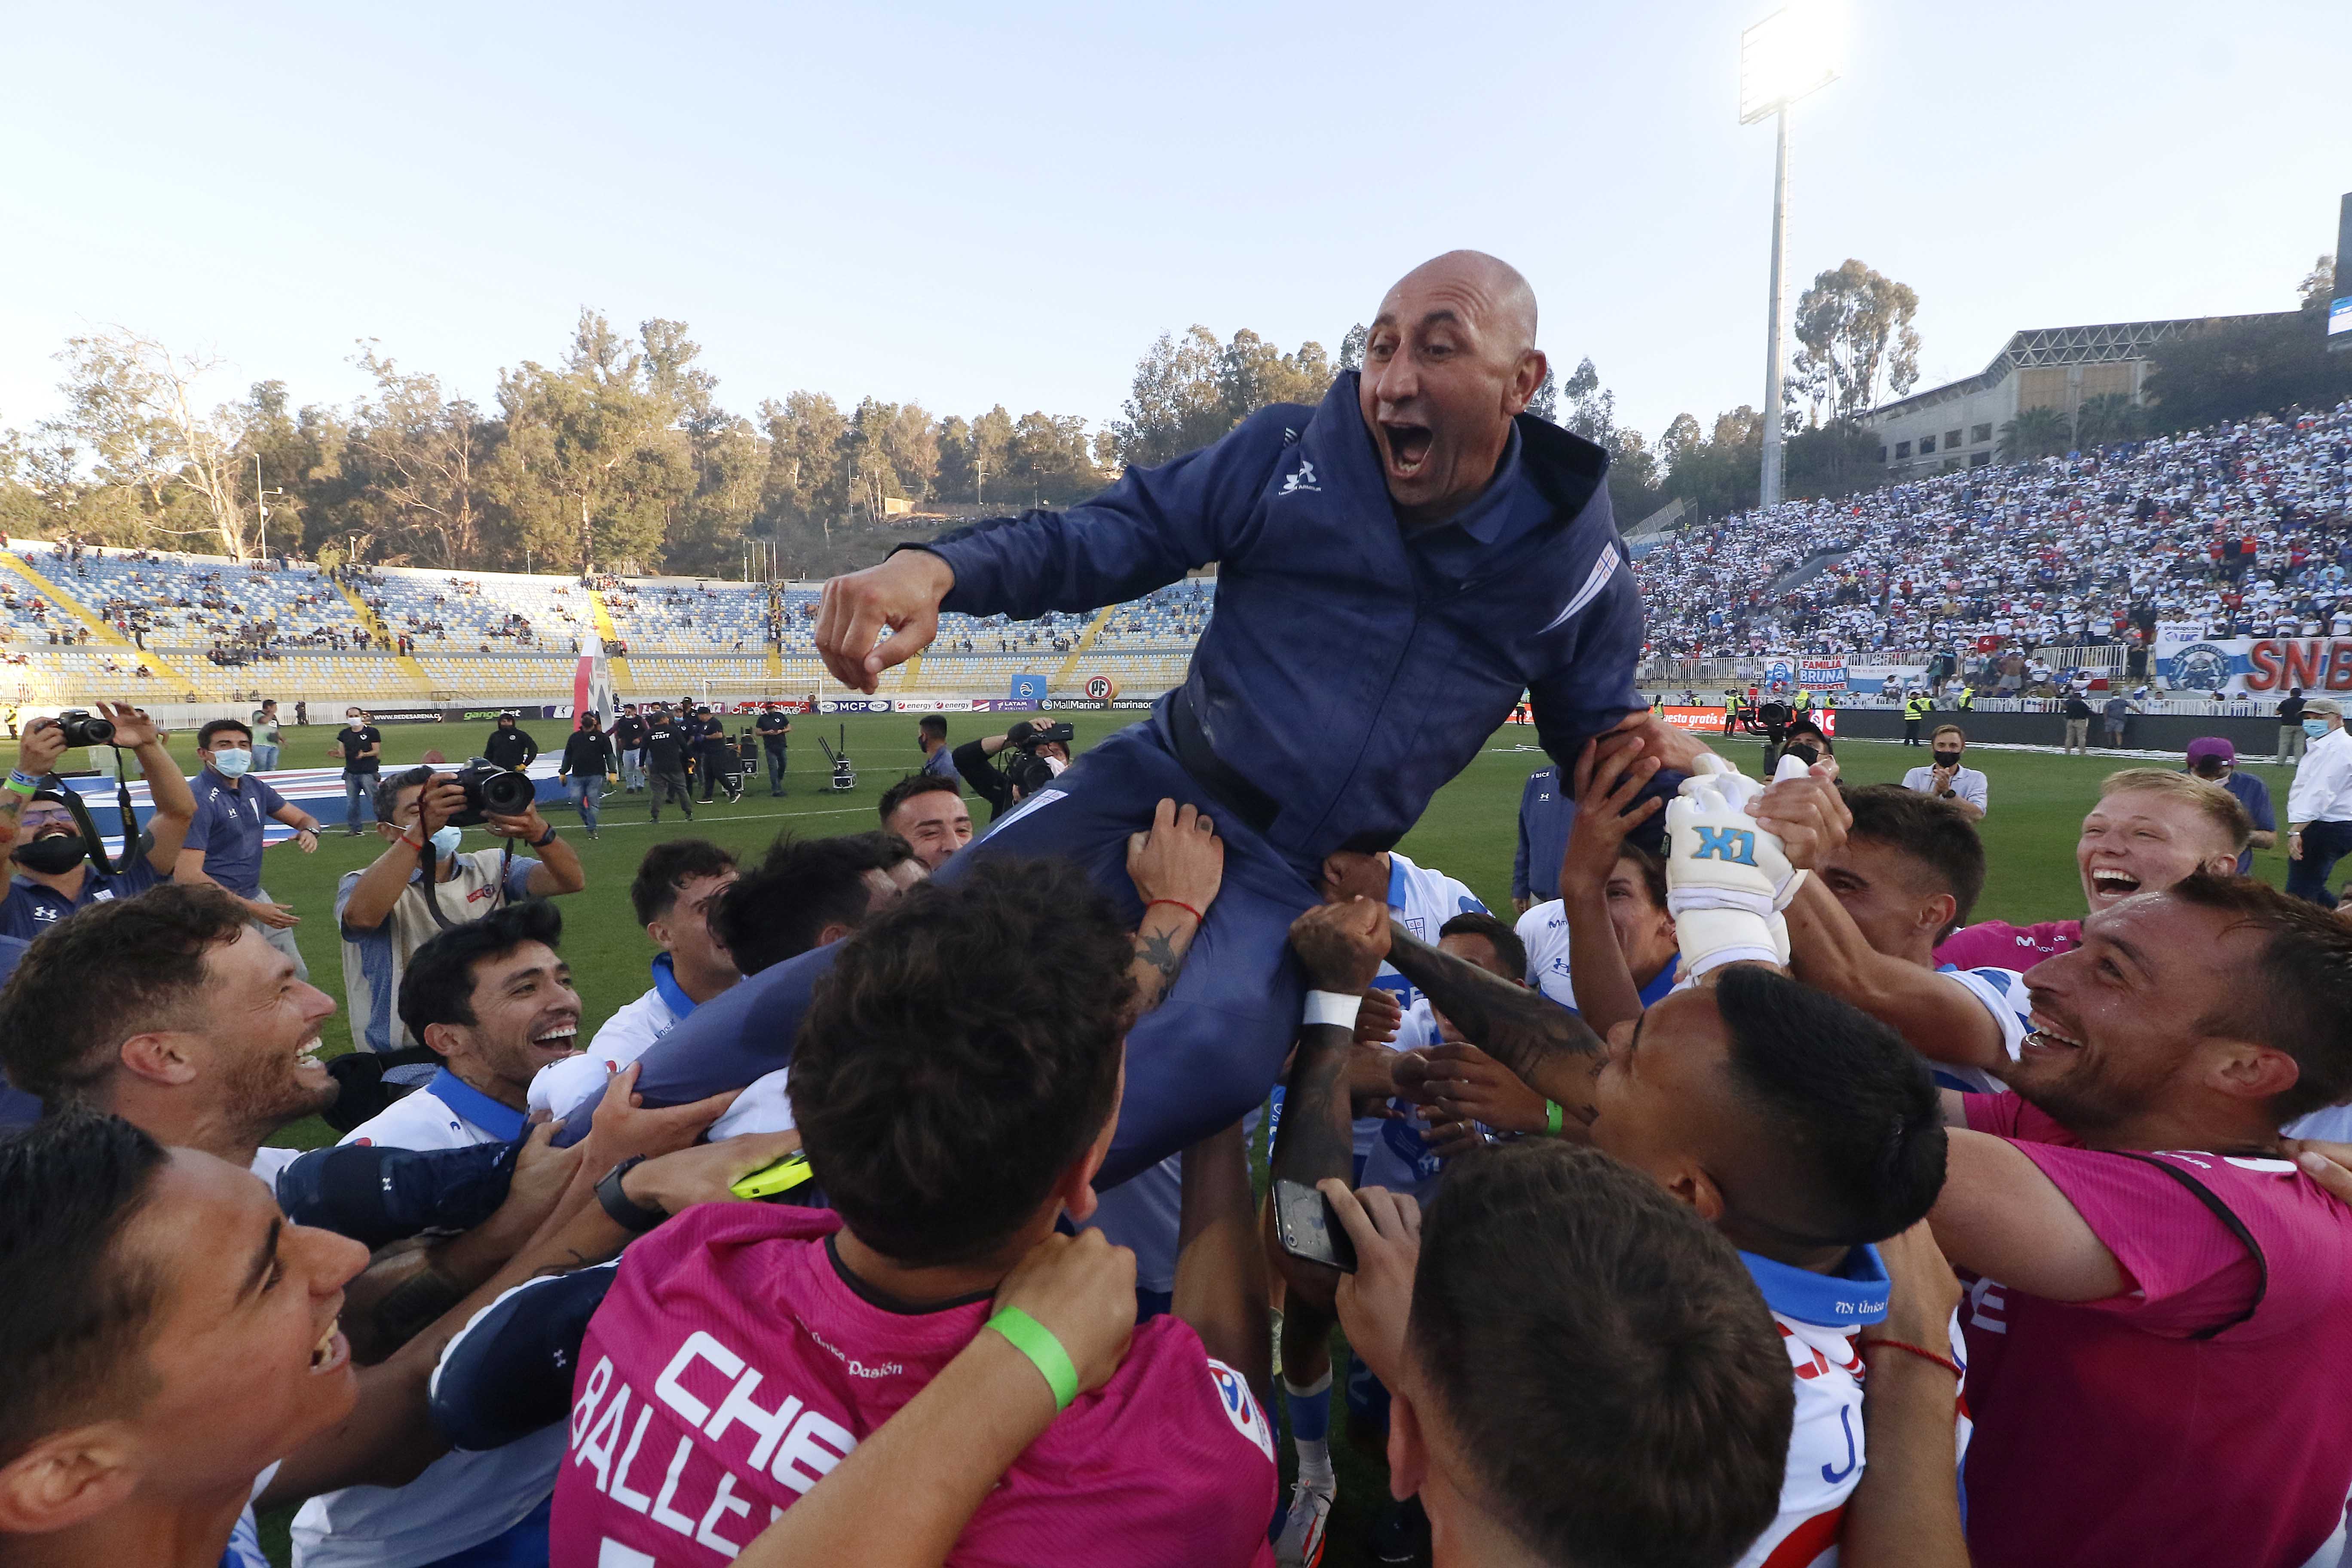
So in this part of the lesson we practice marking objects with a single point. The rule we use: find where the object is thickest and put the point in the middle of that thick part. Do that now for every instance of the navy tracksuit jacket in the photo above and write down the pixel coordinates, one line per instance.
(1347, 673)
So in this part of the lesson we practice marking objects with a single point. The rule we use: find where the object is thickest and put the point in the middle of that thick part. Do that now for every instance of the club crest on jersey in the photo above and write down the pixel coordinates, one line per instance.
(1233, 1399)
(1732, 845)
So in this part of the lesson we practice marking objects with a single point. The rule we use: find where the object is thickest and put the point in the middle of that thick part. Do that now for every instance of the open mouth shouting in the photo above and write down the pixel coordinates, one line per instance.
(332, 1350)
(2112, 884)
(1406, 445)
(559, 1038)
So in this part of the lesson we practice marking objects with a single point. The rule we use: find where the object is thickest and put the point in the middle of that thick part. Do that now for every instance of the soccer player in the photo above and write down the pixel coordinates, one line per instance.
(2150, 828)
(1610, 921)
(936, 1024)
(677, 884)
(929, 812)
(1802, 1128)
(1418, 512)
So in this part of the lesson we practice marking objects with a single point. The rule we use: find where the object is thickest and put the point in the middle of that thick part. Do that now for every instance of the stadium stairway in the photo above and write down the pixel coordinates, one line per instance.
(382, 634)
(622, 680)
(101, 629)
(1068, 671)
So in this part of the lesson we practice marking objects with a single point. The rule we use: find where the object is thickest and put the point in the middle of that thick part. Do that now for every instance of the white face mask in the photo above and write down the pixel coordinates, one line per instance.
(1056, 765)
(231, 762)
(446, 841)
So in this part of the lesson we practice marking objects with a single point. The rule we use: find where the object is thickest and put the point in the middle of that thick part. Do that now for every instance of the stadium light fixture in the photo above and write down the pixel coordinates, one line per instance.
(1791, 53)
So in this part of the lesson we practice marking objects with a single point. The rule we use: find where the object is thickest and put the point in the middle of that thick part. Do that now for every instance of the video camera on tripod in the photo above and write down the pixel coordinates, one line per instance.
(844, 775)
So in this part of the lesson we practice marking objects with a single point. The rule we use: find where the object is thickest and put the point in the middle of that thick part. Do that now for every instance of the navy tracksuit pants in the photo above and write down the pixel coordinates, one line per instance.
(1194, 1064)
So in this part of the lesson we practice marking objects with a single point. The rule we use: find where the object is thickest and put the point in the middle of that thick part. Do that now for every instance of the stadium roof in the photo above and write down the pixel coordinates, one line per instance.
(2102, 344)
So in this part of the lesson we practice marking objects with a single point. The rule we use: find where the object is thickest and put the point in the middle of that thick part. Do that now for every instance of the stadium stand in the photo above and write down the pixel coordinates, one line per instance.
(2244, 528)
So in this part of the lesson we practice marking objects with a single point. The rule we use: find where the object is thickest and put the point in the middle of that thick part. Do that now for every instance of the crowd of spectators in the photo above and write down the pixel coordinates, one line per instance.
(2245, 528)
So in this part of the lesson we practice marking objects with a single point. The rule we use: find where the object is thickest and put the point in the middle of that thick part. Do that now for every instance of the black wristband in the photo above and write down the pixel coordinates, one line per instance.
(543, 843)
(630, 1216)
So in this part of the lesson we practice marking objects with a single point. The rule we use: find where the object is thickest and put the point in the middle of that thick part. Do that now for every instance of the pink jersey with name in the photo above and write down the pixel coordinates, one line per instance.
(1997, 944)
(733, 1365)
(2200, 1416)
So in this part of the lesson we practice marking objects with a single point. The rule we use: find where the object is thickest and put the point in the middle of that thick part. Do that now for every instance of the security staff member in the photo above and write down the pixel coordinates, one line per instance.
(509, 746)
(667, 747)
(1915, 711)
(773, 726)
(713, 756)
(1732, 702)
(629, 741)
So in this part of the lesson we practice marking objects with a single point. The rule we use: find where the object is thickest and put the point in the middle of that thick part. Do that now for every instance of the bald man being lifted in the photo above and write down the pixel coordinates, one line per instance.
(1395, 566)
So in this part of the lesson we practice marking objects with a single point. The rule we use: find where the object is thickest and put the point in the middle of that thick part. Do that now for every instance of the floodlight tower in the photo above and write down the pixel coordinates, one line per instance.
(1789, 54)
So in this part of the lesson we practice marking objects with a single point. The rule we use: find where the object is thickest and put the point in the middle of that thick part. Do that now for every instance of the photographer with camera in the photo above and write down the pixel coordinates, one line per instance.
(1042, 751)
(59, 867)
(223, 842)
(388, 911)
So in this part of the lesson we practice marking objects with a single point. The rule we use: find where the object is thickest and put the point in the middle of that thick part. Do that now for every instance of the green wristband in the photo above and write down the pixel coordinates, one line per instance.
(1035, 1340)
(1552, 1117)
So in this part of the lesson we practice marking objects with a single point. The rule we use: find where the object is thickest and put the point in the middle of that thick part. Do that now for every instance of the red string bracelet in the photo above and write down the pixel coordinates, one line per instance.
(1197, 917)
(1947, 1363)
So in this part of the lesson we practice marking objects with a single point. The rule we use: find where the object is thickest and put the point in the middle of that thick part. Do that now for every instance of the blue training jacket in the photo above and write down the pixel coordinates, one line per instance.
(1349, 671)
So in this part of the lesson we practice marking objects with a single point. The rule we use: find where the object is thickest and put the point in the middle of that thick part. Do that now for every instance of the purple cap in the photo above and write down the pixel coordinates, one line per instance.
(2212, 746)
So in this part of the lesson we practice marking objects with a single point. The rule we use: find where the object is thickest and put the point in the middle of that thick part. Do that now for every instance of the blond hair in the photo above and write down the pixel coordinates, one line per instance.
(2216, 804)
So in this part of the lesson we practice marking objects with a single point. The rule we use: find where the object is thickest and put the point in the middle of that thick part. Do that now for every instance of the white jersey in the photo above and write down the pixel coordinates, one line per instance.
(560, 1088)
(1421, 900)
(2004, 994)
(461, 1499)
(1543, 931)
(1820, 1317)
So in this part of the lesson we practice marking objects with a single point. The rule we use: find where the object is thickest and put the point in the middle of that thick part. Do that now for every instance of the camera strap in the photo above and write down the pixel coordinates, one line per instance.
(432, 883)
(93, 845)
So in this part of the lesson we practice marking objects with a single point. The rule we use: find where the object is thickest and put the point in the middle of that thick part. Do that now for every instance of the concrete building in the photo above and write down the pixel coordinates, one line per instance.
(1957, 425)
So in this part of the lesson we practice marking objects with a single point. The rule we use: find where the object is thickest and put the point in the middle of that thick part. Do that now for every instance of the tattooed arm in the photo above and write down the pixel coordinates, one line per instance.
(44, 742)
(1177, 866)
(1546, 1045)
(1335, 945)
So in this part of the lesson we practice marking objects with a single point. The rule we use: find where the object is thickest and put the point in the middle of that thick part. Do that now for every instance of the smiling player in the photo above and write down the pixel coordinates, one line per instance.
(2150, 828)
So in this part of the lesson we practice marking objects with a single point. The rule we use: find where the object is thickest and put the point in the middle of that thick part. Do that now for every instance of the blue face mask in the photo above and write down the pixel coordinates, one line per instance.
(232, 763)
(2315, 728)
(446, 841)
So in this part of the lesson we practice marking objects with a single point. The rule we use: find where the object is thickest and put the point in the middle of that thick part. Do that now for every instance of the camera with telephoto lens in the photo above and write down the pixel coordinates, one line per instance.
(492, 791)
(83, 728)
(1028, 772)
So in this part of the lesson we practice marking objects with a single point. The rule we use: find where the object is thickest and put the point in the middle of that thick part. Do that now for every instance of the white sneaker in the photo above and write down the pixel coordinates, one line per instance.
(1300, 1544)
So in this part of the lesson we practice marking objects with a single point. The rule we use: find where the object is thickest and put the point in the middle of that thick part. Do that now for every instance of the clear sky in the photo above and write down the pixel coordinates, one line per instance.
(966, 205)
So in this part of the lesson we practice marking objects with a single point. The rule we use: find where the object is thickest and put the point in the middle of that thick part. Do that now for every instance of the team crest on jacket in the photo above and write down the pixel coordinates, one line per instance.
(1233, 1399)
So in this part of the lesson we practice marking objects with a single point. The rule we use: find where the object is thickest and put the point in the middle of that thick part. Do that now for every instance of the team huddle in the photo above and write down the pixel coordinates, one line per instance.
(1736, 1202)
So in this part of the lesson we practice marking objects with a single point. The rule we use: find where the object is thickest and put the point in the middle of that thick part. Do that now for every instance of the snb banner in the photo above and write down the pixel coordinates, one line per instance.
(2256, 667)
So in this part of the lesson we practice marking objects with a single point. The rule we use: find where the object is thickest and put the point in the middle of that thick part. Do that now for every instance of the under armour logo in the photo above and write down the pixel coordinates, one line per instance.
(1301, 479)
(1733, 845)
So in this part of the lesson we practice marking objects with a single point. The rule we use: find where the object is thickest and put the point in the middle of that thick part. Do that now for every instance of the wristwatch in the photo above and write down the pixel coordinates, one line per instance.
(542, 843)
(629, 1215)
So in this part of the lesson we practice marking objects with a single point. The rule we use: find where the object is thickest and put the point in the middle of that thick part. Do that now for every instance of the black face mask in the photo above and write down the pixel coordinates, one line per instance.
(1948, 759)
(53, 856)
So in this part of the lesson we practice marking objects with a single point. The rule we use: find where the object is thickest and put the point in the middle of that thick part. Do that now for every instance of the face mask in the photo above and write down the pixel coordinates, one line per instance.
(1056, 765)
(1948, 759)
(53, 856)
(446, 841)
(232, 763)
(2315, 728)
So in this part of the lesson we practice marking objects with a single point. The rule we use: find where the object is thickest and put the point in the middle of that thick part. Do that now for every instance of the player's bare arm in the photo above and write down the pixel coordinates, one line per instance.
(1334, 943)
(1906, 1511)
(1550, 1049)
(1177, 866)
(2000, 1216)
(1938, 1018)
(1609, 776)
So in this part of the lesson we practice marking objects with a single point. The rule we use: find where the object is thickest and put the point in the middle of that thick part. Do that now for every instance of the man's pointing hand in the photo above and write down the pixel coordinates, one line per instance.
(901, 596)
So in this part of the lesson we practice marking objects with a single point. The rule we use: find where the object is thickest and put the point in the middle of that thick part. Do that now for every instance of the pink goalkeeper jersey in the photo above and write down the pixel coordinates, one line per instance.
(733, 1365)
(1997, 944)
(2199, 1418)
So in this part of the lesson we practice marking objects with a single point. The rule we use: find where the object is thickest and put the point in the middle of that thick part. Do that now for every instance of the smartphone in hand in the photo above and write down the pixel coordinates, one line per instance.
(1308, 1228)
